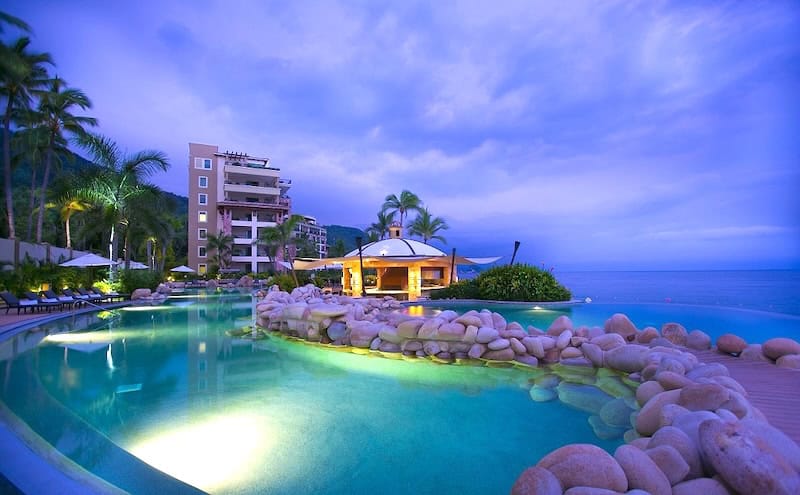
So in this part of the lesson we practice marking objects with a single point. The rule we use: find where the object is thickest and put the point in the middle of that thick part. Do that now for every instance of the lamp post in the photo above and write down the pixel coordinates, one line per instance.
(516, 246)
(452, 265)
(361, 265)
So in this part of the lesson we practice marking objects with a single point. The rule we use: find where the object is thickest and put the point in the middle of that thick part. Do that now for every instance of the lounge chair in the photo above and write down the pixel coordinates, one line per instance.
(91, 295)
(42, 302)
(65, 300)
(108, 296)
(12, 302)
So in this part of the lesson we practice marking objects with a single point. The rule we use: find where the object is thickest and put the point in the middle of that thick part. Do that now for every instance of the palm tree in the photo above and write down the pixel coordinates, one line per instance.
(55, 114)
(120, 180)
(381, 227)
(68, 205)
(18, 85)
(427, 226)
(221, 244)
(279, 238)
(406, 202)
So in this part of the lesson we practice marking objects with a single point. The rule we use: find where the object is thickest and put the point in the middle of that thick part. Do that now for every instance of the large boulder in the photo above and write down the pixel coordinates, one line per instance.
(649, 418)
(559, 325)
(670, 462)
(731, 344)
(585, 465)
(745, 460)
(675, 437)
(452, 331)
(791, 361)
(486, 335)
(775, 348)
(537, 481)
(408, 329)
(622, 325)
(506, 354)
(702, 486)
(675, 333)
(641, 471)
(647, 335)
(703, 396)
(138, 294)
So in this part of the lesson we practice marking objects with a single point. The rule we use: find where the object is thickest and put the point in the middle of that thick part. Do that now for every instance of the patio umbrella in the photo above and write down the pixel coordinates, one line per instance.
(182, 269)
(88, 260)
(135, 265)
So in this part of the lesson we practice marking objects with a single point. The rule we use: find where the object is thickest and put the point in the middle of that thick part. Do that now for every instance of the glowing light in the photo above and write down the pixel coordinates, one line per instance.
(215, 453)
(417, 310)
(144, 308)
(109, 358)
(80, 338)
(201, 348)
(538, 308)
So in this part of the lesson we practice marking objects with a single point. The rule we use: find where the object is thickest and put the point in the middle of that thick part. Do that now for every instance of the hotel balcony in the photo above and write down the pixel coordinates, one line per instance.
(277, 204)
(235, 187)
(252, 170)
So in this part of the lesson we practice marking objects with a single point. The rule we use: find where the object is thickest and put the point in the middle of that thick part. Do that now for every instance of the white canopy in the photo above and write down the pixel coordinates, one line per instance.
(135, 265)
(460, 260)
(182, 269)
(88, 260)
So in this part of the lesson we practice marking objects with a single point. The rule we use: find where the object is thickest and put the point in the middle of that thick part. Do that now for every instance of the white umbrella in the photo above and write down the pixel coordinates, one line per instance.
(88, 260)
(135, 265)
(182, 269)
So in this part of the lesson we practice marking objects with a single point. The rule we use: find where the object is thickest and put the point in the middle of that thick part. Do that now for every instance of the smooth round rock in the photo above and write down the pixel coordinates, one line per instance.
(648, 390)
(648, 419)
(517, 345)
(498, 344)
(559, 325)
(698, 340)
(703, 396)
(506, 354)
(776, 439)
(753, 352)
(536, 481)
(678, 440)
(707, 371)
(533, 346)
(527, 360)
(791, 361)
(564, 339)
(775, 348)
(621, 325)
(675, 333)
(593, 353)
(731, 344)
(671, 380)
(571, 352)
(585, 465)
(608, 341)
(541, 394)
(647, 335)
(700, 486)
(670, 462)
(628, 358)
(584, 397)
(616, 413)
(486, 335)
(588, 490)
(641, 471)
(745, 460)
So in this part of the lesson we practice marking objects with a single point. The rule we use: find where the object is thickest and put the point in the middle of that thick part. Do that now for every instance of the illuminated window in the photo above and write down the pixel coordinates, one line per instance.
(202, 216)
(202, 234)
(202, 198)
(201, 347)
(202, 268)
(201, 251)
(202, 181)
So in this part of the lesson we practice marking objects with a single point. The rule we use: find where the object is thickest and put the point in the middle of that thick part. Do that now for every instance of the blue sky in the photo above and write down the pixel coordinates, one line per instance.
(603, 135)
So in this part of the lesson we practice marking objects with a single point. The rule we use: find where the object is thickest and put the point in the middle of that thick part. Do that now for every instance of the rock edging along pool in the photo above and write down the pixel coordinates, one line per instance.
(695, 421)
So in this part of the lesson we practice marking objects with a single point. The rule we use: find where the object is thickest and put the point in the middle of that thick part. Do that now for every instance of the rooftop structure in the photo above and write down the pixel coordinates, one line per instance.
(235, 194)
(315, 233)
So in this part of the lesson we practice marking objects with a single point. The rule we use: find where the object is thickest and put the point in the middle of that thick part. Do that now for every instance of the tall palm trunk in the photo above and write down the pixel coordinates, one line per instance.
(12, 233)
(31, 204)
(43, 197)
(66, 229)
(111, 243)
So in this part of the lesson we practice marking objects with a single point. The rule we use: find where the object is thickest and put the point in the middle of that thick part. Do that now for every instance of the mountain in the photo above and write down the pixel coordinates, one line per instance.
(347, 234)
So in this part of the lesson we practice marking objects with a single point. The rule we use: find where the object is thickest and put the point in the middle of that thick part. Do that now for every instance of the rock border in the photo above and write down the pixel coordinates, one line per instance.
(689, 426)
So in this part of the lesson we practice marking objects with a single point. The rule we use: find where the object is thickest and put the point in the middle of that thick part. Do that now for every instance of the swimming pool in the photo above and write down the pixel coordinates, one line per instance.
(167, 384)
(753, 326)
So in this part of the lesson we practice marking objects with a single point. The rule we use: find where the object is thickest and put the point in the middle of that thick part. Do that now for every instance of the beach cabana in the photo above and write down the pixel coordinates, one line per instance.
(405, 268)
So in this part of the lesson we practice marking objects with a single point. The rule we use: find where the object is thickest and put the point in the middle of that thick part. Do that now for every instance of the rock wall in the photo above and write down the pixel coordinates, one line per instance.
(689, 426)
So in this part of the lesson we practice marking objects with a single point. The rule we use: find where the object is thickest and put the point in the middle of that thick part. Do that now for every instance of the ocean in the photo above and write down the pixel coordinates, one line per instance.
(775, 291)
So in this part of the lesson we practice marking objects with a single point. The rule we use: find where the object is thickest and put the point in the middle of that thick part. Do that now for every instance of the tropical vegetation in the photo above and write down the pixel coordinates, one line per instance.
(407, 201)
(428, 227)
(281, 242)
(519, 282)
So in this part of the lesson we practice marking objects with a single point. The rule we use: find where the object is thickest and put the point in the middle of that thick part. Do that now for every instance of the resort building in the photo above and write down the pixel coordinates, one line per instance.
(238, 195)
(316, 234)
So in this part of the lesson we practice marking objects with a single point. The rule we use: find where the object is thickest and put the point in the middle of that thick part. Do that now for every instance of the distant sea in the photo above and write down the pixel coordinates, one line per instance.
(765, 290)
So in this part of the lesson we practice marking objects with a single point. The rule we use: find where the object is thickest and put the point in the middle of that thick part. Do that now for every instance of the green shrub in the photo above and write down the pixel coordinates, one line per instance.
(508, 283)
(284, 281)
(464, 289)
(130, 280)
(31, 276)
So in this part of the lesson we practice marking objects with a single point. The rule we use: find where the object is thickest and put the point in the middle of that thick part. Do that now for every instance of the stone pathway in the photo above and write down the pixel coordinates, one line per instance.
(773, 390)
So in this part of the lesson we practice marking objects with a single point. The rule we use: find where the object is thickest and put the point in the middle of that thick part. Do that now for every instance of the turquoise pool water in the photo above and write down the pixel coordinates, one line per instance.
(753, 326)
(230, 416)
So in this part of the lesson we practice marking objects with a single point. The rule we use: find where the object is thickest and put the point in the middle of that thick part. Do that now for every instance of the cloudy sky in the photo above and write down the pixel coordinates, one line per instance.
(619, 135)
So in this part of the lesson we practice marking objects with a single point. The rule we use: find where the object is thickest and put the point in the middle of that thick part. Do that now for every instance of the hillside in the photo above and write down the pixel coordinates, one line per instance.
(347, 234)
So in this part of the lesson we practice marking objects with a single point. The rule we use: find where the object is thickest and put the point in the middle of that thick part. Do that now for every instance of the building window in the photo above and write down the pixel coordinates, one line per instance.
(203, 163)
(202, 181)
(202, 216)
(202, 269)
(203, 198)
(201, 251)
(202, 234)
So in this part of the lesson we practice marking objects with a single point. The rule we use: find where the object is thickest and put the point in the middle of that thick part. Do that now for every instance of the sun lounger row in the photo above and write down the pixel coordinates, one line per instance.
(48, 300)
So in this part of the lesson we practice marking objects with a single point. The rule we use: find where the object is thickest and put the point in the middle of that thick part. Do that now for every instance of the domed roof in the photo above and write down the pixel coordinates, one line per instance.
(397, 247)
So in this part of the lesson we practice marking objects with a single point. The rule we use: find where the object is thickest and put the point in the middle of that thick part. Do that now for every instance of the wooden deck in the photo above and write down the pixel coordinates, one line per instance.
(774, 391)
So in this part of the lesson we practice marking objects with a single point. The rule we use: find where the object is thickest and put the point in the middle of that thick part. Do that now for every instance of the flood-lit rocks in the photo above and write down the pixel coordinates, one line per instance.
(645, 387)
(585, 465)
